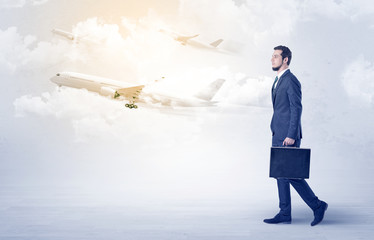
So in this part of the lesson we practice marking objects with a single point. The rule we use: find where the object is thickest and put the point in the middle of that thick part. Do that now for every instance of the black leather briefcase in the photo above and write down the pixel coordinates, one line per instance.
(289, 162)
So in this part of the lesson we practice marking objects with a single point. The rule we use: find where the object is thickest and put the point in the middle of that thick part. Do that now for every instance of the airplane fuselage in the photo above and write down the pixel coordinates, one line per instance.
(100, 85)
(63, 33)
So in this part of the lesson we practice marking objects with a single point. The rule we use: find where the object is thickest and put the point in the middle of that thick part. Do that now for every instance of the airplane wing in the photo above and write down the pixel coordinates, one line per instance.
(216, 43)
(190, 40)
(130, 93)
(184, 39)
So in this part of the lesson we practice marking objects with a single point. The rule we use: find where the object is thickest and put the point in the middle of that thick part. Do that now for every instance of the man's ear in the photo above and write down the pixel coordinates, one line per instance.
(285, 60)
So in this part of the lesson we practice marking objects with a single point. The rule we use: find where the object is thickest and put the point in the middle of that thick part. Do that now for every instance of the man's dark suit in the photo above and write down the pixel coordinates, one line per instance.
(286, 122)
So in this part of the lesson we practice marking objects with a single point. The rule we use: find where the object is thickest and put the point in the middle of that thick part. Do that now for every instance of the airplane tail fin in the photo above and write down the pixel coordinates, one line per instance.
(210, 91)
(216, 43)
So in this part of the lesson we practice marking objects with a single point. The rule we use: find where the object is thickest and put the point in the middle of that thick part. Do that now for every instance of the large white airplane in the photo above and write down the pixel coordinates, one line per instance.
(190, 40)
(136, 93)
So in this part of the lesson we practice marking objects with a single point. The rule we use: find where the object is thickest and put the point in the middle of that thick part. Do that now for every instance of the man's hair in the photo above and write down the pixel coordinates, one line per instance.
(286, 53)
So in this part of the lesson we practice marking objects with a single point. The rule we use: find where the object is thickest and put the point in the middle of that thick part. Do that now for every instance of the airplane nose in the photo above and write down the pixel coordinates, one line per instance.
(55, 79)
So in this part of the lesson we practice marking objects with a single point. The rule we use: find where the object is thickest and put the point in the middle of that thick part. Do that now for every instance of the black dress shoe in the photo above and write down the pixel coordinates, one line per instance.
(279, 218)
(319, 213)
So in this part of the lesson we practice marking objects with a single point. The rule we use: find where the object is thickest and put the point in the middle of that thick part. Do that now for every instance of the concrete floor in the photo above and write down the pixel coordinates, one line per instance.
(214, 187)
(61, 213)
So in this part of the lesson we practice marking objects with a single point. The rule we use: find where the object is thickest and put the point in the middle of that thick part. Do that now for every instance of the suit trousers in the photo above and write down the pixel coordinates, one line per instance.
(300, 185)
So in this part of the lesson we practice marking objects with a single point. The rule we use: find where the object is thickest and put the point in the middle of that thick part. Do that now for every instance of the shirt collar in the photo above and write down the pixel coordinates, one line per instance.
(281, 73)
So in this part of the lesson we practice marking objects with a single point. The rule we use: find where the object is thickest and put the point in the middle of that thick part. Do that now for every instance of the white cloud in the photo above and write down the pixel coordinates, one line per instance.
(336, 9)
(358, 9)
(25, 53)
(11, 45)
(7, 4)
(312, 10)
(358, 81)
(250, 92)
(102, 50)
(28, 103)
(39, 2)
(95, 117)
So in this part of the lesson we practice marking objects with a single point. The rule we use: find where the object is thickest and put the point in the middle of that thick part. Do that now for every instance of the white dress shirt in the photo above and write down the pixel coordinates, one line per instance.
(279, 76)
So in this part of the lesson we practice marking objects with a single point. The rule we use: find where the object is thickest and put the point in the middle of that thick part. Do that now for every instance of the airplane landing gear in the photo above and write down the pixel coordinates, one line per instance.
(131, 105)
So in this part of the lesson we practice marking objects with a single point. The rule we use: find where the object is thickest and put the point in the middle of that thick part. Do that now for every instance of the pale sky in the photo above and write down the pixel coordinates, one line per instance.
(333, 58)
(38, 19)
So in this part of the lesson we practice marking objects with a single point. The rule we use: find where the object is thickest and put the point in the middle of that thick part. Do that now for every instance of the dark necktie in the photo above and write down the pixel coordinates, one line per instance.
(275, 81)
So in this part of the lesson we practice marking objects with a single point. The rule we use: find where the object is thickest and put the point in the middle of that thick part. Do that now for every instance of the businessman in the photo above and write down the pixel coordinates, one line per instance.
(286, 130)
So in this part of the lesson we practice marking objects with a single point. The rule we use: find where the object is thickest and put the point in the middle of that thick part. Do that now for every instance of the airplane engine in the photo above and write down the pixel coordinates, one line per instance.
(107, 91)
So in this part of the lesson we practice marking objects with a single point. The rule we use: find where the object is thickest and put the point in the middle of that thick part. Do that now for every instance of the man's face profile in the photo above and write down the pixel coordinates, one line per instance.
(276, 60)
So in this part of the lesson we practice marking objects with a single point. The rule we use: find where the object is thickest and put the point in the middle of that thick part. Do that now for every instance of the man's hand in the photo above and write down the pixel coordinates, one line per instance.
(288, 141)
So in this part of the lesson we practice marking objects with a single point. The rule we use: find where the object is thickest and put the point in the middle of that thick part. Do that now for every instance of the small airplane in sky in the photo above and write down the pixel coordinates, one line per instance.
(136, 93)
(73, 37)
(190, 40)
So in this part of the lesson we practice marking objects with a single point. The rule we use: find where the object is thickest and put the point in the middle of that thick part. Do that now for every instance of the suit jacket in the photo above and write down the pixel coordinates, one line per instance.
(286, 120)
